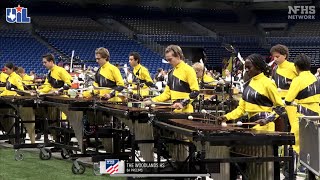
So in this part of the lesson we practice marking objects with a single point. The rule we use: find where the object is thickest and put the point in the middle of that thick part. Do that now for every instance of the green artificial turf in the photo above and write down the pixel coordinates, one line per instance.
(33, 168)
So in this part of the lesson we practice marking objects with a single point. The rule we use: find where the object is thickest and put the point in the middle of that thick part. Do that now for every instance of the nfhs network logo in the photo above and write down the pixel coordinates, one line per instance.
(17, 15)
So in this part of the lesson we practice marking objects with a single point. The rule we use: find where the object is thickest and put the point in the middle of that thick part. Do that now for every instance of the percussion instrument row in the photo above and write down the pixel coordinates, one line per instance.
(201, 132)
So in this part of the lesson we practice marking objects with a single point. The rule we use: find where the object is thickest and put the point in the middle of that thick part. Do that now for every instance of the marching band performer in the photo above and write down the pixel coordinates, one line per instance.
(142, 79)
(140, 74)
(205, 81)
(108, 76)
(3, 79)
(57, 79)
(283, 74)
(26, 79)
(13, 81)
(182, 86)
(304, 90)
(203, 78)
(260, 98)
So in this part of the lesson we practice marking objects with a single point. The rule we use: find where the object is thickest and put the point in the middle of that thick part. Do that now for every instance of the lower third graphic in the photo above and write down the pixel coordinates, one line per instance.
(112, 166)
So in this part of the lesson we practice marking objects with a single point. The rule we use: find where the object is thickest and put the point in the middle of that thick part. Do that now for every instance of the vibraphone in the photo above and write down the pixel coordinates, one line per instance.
(21, 113)
(255, 146)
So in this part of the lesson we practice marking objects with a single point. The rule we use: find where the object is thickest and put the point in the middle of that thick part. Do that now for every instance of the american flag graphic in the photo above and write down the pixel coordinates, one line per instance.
(112, 166)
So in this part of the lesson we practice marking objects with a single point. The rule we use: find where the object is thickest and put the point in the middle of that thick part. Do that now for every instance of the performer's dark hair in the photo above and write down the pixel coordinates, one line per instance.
(302, 61)
(281, 49)
(259, 62)
(136, 56)
(10, 65)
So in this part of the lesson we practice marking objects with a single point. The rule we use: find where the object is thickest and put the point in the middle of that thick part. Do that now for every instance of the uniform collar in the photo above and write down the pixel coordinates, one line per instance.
(304, 73)
(106, 64)
(13, 74)
(180, 64)
(53, 68)
(259, 76)
(137, 67)
(284, 64)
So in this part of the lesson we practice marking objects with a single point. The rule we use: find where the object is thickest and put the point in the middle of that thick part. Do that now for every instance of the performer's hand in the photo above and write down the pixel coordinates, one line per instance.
(33, 93)
(107, 96)
(262, 122)
(147, 101)
(221, 119)
(177, 105)
(56, 92)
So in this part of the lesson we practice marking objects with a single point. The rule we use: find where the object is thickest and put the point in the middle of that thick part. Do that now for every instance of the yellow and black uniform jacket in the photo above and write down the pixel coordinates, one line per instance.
(305, 91)
(13, 81)
(260, 99)
(141, 74)
(182, 85)
(3, 79)
(206, 81)
(56, 79)
(109, 76)
(26, 79)
(283, 75)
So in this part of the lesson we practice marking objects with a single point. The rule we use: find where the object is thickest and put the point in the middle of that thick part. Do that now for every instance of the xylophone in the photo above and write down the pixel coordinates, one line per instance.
(215, 142)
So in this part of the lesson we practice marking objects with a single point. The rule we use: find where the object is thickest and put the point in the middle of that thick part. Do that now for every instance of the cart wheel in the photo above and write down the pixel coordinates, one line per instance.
(18, 156)
(45, 154)
(65, 154)
(96, 169)
(78, 168)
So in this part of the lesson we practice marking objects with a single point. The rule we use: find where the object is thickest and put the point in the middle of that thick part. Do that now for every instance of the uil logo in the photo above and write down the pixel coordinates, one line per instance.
(17, 15)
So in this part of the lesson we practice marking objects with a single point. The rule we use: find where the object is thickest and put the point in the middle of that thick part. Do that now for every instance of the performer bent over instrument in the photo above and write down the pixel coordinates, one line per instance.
(181, 89)
(260, 98)
(108, 76)
(13, 82)
(182, 86)
(58, 80)
(263, 104)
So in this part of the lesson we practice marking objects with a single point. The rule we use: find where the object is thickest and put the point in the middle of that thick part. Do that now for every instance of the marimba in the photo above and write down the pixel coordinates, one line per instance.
(74, 110)
(90, 118)
(255, 146)
(136, 119)
(24, 108)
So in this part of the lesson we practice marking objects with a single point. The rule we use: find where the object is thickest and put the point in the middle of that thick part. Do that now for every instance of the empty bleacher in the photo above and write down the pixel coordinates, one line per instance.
(235, 29)
(85, 43)
(22, 49)
(303, 29)
(157, 26)
(212, 15)
(66, 22)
